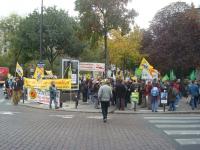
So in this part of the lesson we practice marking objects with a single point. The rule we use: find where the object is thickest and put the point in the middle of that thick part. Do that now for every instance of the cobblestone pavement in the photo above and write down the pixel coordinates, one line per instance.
(24, 128)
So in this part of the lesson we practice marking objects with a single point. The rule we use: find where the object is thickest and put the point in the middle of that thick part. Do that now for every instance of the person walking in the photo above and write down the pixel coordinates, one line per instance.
(104, 95)
(16, 91)
(53, 90)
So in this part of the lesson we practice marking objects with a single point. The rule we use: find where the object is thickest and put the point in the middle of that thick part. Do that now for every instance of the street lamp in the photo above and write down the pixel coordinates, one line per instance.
(41, 36)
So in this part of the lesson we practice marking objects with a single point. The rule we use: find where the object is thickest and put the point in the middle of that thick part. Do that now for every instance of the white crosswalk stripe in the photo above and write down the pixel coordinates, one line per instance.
(2, 100)
(8, 113)
(5, 102)
(173, 118)
(188, 141)
(174, 121)
(178, 125)
(182, 132)
(96, 117)
(63, 116)
(185, 130)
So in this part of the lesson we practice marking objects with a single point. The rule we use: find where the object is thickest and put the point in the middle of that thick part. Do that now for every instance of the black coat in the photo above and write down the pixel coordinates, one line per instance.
(120, 90)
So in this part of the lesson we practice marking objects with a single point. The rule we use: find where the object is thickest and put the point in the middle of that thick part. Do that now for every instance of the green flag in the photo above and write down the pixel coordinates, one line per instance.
(193, 75)
(138, 72)
(172, 76)
(165, 78)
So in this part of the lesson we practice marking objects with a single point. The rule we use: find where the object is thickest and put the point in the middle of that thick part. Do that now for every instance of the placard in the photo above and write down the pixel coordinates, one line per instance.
(164, 96)
(41, 96)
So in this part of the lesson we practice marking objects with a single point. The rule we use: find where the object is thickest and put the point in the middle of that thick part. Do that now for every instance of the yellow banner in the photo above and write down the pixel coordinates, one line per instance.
(62, 84)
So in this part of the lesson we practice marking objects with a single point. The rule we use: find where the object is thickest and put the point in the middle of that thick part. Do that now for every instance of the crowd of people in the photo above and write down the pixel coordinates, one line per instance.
(149, 92)
(14, 89)
(119, 93)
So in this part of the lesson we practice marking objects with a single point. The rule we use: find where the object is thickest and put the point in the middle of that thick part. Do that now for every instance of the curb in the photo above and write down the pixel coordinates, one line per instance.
(66, 110)
(111, 111)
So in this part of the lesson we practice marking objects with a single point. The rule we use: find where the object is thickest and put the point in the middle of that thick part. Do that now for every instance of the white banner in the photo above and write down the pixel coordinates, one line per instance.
(86, 66)
(41, 96)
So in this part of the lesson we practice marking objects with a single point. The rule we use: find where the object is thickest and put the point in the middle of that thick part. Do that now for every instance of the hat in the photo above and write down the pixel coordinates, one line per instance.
(105, 81)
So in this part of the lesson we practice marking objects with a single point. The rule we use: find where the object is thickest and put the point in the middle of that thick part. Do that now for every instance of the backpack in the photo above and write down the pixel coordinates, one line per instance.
(174, 91)
(154, 91)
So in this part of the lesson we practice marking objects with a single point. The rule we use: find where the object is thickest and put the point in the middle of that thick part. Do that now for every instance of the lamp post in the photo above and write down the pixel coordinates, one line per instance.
(41, 34)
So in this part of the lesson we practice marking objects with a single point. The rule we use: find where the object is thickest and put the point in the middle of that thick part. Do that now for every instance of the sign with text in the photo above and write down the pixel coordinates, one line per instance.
(164, 96)
(86, 66)
(61, 84)
(41, 96)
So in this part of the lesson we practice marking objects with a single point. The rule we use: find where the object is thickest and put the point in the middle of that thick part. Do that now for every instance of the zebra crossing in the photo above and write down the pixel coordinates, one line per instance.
(185, 130)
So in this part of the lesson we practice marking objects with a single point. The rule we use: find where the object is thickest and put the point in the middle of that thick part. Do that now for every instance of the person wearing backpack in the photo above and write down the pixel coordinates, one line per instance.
(194, 92)
(154, 98)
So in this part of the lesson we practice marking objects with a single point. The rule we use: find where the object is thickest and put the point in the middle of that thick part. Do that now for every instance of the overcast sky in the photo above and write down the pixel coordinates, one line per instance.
(145, 8)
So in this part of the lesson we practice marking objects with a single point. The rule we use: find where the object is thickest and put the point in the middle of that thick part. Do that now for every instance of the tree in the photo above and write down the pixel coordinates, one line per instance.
(9, 27)
(92, 54)
(98, 17)
(173, 38)
(124, 50)
(59, 35)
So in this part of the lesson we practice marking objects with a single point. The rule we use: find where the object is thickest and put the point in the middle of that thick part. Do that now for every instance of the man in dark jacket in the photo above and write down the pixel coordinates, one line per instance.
(171, 98)
(120, 94)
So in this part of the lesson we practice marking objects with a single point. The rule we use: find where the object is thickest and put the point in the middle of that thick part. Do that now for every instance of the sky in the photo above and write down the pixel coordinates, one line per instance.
(146, 8)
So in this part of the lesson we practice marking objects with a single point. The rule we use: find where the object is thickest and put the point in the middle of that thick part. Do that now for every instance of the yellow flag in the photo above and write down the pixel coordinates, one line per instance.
(49, 72)
(19, 70)
(39, 73)
(145, 64)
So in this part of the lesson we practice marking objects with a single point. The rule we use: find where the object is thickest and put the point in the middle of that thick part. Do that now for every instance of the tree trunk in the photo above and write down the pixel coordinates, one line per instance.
(51, 64)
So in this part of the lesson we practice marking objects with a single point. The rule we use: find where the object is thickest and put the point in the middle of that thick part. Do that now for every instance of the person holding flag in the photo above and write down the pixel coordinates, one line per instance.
(19, 70)
(16, 90)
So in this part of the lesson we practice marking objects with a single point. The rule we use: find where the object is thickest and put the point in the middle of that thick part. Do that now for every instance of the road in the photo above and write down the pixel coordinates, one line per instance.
(24, 128)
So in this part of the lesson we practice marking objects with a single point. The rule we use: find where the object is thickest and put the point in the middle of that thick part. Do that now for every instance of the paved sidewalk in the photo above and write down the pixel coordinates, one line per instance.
(183, 107)
(70, 106)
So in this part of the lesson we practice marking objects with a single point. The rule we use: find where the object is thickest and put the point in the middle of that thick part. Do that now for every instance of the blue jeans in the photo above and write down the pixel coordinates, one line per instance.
(177, 99)
(172, 106)
(54, 100)
(154, 103)
(193, 102)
